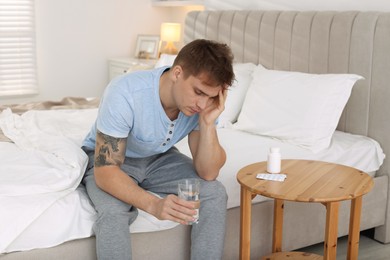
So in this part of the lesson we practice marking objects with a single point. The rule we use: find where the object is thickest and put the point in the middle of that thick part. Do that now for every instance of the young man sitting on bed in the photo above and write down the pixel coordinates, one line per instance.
(131, 149)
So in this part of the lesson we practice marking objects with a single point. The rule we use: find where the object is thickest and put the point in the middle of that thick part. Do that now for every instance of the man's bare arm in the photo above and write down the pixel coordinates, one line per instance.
(208, 155)
(109, 156)
(109, 150)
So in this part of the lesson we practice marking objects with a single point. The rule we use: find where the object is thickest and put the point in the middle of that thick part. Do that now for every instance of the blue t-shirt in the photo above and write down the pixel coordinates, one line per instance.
(131, 107)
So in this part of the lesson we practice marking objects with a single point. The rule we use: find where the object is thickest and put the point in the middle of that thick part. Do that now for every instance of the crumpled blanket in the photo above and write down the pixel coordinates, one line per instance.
(43, 164)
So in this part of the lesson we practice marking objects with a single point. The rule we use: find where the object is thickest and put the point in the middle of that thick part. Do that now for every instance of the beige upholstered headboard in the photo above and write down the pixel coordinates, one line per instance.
(315, 42)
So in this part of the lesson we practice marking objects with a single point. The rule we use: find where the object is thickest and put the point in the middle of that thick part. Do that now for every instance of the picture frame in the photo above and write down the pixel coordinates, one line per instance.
(147, 46)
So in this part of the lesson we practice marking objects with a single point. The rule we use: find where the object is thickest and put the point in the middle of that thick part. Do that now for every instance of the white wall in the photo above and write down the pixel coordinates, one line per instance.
(302, 5)
(76, 37)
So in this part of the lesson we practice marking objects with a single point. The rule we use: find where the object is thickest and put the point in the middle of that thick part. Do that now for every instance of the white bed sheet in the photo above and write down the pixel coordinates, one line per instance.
(69, 212)
(72, 217)
(352, 150)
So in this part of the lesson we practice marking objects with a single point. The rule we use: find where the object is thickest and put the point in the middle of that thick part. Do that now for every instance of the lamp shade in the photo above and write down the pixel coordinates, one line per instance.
(170, 32)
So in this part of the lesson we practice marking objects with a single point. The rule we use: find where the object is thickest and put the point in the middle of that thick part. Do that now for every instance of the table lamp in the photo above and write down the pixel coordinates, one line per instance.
(170, 33)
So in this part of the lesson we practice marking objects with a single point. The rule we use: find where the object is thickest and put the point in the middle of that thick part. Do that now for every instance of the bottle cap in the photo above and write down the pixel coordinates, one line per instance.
(275, 149)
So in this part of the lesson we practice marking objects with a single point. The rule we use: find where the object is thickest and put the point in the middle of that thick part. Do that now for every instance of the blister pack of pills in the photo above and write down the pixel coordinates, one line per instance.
(271, 176)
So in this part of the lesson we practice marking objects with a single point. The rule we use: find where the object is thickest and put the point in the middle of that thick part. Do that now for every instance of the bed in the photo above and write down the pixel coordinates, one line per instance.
(59, 217)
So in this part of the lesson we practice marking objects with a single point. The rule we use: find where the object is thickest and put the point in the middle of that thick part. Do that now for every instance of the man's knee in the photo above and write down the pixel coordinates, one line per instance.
(111, 216)
(216, 190)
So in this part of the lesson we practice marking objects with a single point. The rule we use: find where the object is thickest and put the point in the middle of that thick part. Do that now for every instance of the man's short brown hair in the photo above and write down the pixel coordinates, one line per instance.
(210, 57)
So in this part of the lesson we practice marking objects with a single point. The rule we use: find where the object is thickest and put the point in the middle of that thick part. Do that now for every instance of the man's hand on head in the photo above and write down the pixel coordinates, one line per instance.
(214, 109)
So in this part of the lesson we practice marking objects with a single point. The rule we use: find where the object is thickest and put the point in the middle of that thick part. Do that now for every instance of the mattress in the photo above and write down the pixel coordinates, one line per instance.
(43, 203)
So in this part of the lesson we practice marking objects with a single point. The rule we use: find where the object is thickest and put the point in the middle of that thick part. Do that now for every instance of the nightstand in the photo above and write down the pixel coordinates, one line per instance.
(119, 66)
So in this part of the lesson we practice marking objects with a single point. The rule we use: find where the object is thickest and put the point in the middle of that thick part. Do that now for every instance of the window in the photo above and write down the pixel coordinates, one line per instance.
(17, 48)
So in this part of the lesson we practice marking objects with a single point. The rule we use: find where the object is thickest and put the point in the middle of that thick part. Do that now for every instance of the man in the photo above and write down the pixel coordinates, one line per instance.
(131, 149)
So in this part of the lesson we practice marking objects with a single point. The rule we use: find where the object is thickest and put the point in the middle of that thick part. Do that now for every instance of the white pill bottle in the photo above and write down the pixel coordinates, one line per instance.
(274, 160)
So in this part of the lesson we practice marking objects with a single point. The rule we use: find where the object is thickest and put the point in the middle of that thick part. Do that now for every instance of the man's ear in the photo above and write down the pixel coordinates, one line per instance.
(177, 72)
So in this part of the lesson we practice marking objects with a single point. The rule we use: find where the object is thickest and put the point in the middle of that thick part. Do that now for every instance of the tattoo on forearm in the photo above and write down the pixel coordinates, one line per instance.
(109, 150)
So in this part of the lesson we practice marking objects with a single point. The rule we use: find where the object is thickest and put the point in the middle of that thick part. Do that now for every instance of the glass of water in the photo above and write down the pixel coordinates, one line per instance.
(188, 189)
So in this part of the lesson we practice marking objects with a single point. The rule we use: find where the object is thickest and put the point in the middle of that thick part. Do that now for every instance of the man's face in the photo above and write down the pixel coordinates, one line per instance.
(192, 94)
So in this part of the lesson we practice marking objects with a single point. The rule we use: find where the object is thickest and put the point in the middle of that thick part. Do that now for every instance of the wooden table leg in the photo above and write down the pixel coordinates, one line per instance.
(354, 229)
(278, 226)
(332, 217)
(245, 223)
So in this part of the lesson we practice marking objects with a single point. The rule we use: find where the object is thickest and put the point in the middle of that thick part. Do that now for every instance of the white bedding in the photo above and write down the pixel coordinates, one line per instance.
(45, 164)
(39, 174)
(352, 150)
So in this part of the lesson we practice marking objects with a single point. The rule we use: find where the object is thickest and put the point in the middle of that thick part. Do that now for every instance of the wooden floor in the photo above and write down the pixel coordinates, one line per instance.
(369, 249)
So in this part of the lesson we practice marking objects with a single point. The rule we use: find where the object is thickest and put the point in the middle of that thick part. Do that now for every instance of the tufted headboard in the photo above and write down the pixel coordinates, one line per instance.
(314, 42)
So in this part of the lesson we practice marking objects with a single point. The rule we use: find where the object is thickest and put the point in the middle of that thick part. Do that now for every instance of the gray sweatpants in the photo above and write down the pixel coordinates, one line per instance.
(159, 174)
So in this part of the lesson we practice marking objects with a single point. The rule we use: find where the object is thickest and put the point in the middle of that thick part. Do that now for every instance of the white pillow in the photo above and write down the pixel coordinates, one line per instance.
(236, 94)
(301, 108)
(165, 60)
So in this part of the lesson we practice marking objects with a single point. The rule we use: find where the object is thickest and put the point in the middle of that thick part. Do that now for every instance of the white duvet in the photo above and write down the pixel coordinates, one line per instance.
(41, 204)
(45, 164)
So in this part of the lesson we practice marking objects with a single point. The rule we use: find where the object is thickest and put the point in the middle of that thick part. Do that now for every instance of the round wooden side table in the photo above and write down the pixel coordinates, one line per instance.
(307, 181)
